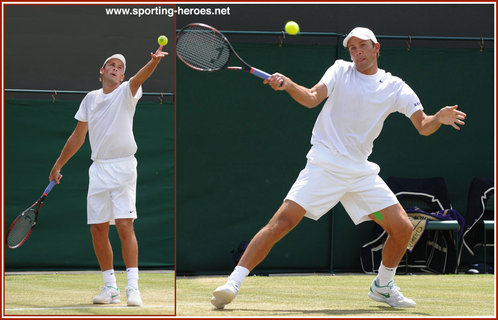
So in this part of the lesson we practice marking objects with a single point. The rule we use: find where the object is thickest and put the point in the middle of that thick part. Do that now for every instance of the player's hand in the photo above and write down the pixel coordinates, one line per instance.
(159, 54)
(277, 81)
(451, 116)
(55, 174)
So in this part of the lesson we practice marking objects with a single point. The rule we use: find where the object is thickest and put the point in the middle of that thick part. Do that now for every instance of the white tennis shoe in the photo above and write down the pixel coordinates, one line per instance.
(108, 295)
(390, 294)
(224, 294)
(133, 297)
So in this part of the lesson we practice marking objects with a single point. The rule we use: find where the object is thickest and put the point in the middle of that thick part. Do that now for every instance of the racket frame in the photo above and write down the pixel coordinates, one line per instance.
(36, 205)
(246, 67)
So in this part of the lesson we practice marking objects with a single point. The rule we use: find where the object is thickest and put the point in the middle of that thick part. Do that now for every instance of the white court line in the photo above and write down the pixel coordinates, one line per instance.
(85, 307)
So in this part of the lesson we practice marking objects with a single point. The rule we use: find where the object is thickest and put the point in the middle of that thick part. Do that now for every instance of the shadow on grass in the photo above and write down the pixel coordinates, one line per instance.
(376, 311)
(120, 309)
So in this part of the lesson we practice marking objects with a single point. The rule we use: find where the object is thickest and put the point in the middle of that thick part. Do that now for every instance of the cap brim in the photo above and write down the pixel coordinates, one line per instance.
(346, 40)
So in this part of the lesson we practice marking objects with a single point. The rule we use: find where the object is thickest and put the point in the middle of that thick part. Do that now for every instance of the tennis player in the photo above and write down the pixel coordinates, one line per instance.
(360, 97)
(107, 115)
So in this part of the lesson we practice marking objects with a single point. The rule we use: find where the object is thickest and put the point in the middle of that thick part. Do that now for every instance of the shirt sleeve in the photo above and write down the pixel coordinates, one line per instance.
(330, 77)
(138, 95)
(82, 113)
(408, 102)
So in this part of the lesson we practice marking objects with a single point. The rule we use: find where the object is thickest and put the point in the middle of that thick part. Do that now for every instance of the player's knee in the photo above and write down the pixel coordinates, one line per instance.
(403, 231)
(281, 225)
(99, 230)
(285, 219)
(125, 229)
(400, 229)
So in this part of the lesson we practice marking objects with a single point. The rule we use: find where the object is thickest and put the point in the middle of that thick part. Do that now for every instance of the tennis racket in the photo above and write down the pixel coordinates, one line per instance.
(23, 225)
(203, 48)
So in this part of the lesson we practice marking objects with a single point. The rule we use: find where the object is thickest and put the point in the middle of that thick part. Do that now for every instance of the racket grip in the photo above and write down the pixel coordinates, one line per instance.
(259, 73)
(50, 186)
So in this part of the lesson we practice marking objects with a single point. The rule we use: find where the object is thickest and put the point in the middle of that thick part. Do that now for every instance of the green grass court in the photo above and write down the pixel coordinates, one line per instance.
(275, 296)
(340, 296)
(71, 294)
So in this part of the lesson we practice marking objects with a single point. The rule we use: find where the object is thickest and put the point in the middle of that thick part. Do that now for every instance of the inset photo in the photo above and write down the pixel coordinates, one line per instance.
(89, 132)
(335, 160)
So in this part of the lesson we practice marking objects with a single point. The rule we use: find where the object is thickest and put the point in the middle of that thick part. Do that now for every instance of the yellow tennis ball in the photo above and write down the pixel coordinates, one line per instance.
(162, 40)
(291, 27)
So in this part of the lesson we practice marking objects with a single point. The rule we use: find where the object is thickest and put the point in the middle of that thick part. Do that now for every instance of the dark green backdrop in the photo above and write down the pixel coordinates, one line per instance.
(35, 132)
(240, 147)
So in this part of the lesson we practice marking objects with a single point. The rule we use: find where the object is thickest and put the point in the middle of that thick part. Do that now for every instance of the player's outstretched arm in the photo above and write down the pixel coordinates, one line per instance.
(309, 98)
(73, 144)
(144, 73)
(427, 125)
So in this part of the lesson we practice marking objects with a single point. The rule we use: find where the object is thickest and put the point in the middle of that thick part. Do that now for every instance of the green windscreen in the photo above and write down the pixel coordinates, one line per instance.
(240, 147)
(35, 133)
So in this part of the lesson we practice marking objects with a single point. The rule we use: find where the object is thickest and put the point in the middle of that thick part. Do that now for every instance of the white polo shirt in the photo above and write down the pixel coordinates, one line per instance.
(357, 105)
(110, 121)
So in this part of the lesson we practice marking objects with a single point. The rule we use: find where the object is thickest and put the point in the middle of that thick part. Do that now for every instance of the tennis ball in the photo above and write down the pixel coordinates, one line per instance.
(162, 40)
(291, 27)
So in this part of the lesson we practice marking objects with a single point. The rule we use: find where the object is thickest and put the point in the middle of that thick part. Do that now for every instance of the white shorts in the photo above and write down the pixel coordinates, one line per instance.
(112, 190)
(330, 177)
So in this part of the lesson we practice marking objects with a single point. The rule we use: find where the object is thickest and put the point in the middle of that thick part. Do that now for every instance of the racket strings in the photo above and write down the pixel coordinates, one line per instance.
(202, 48)
(21, 229)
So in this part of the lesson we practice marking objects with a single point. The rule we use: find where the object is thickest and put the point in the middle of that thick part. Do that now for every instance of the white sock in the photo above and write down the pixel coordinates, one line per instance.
(109, 278)
(132, 276)
(238, 275)
(385, 275)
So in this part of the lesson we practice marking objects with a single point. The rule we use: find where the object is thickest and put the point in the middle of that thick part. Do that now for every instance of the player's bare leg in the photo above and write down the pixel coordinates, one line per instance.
(399, 228)
(103, 251)
(285, 219)
(102, 245)
(129, 249)
(395, 222)
(129, 245)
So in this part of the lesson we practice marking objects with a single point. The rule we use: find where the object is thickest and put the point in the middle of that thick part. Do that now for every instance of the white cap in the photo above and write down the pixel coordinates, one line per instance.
(360, 32)
(116, 56)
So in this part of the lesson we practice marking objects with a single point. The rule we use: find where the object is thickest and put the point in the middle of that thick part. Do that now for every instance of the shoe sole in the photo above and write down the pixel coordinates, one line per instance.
(105, 302)
(132, 303)
(375, 297)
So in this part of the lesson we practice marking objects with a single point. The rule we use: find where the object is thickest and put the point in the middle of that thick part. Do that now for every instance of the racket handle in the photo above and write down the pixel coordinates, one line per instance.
(259, 73)
(49, 187)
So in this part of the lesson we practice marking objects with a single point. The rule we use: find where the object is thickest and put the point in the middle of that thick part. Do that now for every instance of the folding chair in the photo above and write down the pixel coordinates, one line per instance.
(440, 249)
(480, 217)
(429, 194)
